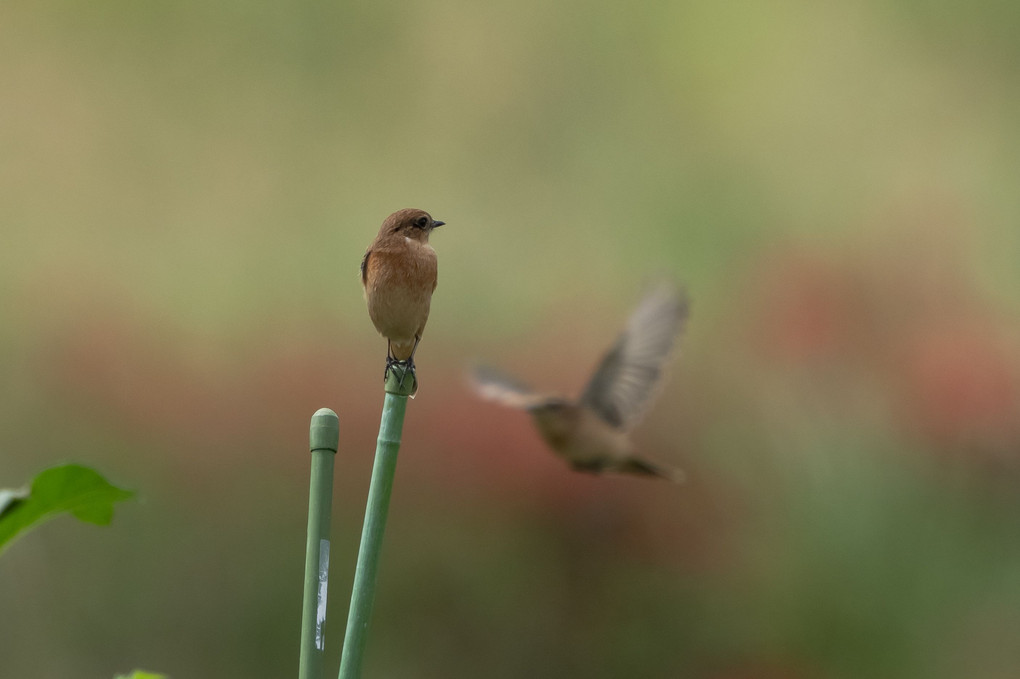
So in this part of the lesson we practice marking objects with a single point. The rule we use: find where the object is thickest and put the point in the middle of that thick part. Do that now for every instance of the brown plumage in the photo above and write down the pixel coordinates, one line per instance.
(592, 432)
(399, 273)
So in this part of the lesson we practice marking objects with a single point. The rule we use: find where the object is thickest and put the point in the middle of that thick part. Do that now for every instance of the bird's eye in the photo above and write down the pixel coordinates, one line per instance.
(421, 222)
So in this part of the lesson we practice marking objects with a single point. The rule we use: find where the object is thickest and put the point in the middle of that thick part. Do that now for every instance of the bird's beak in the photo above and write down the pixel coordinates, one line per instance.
(436, 223)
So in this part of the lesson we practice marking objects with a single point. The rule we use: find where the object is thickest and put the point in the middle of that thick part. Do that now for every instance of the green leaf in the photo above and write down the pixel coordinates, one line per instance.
(139, 674)
(72, 488)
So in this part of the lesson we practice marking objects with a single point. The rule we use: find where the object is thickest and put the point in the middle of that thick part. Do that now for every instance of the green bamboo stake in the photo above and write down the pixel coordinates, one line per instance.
(324, 439)
(399, 385)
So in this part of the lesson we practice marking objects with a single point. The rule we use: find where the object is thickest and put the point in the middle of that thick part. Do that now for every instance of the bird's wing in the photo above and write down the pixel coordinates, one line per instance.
(627, 378)
(364, 267)
(496, 386)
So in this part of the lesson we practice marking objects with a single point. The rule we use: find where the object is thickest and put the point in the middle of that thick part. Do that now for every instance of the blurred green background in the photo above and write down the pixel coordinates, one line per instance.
(186, 190)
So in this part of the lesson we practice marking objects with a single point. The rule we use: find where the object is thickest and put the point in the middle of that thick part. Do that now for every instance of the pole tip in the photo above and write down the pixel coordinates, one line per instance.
(324, 433)
(400, 379)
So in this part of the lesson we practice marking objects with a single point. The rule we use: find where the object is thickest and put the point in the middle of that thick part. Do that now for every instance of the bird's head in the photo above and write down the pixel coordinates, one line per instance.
(410, 223)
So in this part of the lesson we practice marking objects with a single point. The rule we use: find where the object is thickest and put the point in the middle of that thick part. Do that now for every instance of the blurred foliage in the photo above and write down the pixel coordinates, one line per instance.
(186, 190)
(70, 488)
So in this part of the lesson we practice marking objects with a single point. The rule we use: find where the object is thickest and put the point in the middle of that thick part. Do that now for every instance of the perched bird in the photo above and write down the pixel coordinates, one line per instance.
(592, 433)
(398, 273)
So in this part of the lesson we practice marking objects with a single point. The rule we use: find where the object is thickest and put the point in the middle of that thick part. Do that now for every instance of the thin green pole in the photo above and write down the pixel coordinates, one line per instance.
(398, 387)
(324, 439)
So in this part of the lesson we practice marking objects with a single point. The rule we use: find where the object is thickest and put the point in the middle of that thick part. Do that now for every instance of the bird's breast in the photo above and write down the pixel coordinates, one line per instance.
(398, 287)
(587, 439)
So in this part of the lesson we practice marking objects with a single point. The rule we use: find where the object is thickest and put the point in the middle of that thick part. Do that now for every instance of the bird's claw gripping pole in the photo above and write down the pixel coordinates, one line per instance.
(400, 378)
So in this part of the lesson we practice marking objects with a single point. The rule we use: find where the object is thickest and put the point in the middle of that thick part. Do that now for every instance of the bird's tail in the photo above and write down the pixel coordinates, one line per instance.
(641, 467)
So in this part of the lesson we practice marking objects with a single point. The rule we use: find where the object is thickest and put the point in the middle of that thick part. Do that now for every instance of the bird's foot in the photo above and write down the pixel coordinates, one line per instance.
(400, 377)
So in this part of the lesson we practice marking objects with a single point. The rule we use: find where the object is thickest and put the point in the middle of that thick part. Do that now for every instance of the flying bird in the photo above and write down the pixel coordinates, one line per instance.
(592, 433)
(399, 274)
